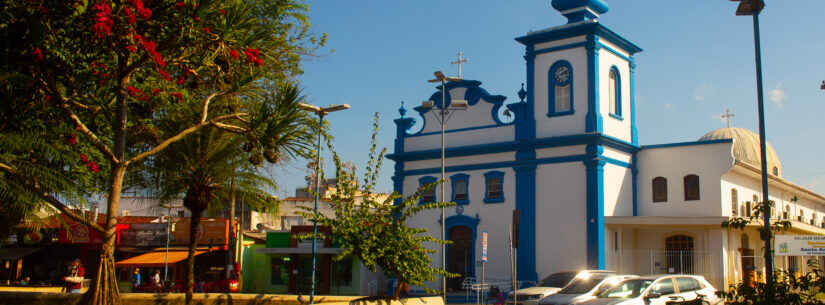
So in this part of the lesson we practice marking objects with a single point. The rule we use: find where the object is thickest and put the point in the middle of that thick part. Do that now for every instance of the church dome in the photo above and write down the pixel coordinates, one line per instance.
(746, 147)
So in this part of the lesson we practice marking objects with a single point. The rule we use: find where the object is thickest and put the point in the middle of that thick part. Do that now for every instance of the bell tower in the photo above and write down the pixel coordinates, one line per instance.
(580, 75)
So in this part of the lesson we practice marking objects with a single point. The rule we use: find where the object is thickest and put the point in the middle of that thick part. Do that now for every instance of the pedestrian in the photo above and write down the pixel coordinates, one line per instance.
(74, 278)
(136, 280)
(156, 279)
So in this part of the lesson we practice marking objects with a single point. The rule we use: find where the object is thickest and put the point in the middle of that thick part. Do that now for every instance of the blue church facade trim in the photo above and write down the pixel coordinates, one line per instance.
(551, 89)
(466, 221)
(402, 125)
(634, 132)
(526, 204)
(594, 117)
(595, 207)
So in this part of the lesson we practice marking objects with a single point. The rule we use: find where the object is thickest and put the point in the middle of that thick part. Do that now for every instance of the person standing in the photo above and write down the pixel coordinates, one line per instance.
(156, 280)
(136, 280)
(74, 278)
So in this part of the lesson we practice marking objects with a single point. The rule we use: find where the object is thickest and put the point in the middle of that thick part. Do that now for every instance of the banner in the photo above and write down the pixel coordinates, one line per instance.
(211, 231)
(145, 234)
(799, 245)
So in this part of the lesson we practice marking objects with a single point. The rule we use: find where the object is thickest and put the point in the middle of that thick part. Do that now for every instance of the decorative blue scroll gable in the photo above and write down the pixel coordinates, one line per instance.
(472, 95)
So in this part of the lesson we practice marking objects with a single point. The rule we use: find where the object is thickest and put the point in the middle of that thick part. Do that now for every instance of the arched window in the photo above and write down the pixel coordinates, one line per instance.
(748, 209)
(745, 241)
(786, 212)
(734, 202)
(801, 216)
(614, 92)
(560, 87)
(813, 220)
(691, 187)
(679, 253)
(659, 189)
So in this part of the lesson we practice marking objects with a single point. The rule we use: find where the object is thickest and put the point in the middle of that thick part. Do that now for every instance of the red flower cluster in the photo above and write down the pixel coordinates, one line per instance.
(72, 140)
(177, 95)
(84, 159)
(92, 166)
(253, 56)
(155, 91)
(143, 12)
(130, 15)
(101, 72)
(205, 29)
(137, 93)
(131, 49)
(180, 4)
(234, 54)
(103, 20)
(223, 12)
(164, 74)
(38, 55)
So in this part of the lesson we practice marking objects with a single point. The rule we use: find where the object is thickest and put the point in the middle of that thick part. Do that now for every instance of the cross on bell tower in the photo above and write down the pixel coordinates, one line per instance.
(458, 62)
(727, 117)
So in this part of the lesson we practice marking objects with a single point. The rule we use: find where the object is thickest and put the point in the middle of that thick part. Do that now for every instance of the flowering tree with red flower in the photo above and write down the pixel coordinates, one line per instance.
(77, 83)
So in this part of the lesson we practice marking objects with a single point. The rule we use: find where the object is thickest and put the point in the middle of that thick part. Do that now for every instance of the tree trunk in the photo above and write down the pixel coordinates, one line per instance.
(104, 289)
(194, 222)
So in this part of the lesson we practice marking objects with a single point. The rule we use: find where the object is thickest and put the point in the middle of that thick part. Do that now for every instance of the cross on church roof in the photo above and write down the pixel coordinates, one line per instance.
(727, 117)
(458, 62)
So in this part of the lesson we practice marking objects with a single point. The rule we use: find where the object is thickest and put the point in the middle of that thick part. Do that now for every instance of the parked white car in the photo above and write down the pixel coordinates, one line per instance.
(550, 285)
(584, 288)
(658, 290)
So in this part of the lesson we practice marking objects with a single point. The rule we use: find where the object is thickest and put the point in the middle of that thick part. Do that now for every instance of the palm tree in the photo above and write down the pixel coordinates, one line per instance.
(215, 166)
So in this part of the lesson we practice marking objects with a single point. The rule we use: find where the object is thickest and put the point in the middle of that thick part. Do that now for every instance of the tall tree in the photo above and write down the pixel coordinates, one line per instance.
(211, 168)
(373, 227)
(100, 74)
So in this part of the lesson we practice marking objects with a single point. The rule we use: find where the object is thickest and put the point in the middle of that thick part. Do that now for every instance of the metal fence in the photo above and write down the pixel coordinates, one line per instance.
(654, 261)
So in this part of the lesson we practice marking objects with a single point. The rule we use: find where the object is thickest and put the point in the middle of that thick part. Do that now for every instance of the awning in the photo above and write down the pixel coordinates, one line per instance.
(16, 253)
(155, 259)
(299, 250)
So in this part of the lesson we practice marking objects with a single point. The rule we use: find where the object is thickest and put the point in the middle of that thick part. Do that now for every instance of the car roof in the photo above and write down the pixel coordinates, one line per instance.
(658, 276)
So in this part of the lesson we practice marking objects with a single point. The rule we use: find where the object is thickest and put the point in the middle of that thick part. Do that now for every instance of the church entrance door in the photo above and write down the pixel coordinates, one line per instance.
(459, 255)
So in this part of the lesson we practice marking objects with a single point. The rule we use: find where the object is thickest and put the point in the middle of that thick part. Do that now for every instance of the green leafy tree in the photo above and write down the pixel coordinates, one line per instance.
(373, 228)
(784, 288)
(88, 81)
(214, 167)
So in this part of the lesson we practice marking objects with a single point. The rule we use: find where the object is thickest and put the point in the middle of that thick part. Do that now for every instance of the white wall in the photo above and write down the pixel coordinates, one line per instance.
(708, 161)
(561, 233)
(618, 191)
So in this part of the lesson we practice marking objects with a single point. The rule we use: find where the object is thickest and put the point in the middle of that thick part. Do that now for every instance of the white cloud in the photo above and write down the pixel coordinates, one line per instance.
(777, 96)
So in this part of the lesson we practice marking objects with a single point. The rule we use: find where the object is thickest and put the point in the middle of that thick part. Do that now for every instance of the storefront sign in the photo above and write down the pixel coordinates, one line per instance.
(799, 245)
(484, 246)
(145, 234)
(210, 232)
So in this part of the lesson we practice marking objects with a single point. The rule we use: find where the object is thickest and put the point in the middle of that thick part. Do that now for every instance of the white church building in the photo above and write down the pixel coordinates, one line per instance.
(590, 196)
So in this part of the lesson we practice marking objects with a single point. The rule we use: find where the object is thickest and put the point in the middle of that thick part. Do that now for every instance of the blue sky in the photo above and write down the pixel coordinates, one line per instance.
(697, 61)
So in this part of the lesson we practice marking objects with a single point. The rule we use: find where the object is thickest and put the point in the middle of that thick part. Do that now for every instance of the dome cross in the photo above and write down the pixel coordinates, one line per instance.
(727, 117)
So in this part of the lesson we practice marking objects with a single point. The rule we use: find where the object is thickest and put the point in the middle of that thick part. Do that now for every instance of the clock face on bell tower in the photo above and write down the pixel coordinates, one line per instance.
(562, 75)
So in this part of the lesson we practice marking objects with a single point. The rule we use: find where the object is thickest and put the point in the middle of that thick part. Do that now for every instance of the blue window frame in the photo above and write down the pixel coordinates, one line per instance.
(461, 188)
(494, 187)
(560, 89)
(427, 196)
(614, 93)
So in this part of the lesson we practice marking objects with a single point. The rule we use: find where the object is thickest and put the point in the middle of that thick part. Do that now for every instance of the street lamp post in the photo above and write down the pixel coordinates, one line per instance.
(443, 114)
(321, 112)
(753, 8)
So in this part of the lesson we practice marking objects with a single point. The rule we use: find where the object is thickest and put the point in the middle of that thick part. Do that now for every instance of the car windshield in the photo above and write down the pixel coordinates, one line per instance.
(583, 284)
(557, 279)
(627, 289)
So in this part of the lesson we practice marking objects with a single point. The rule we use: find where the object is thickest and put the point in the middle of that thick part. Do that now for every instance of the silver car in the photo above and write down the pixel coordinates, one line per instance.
(584, 288)
(550, 285)
(658, 290)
